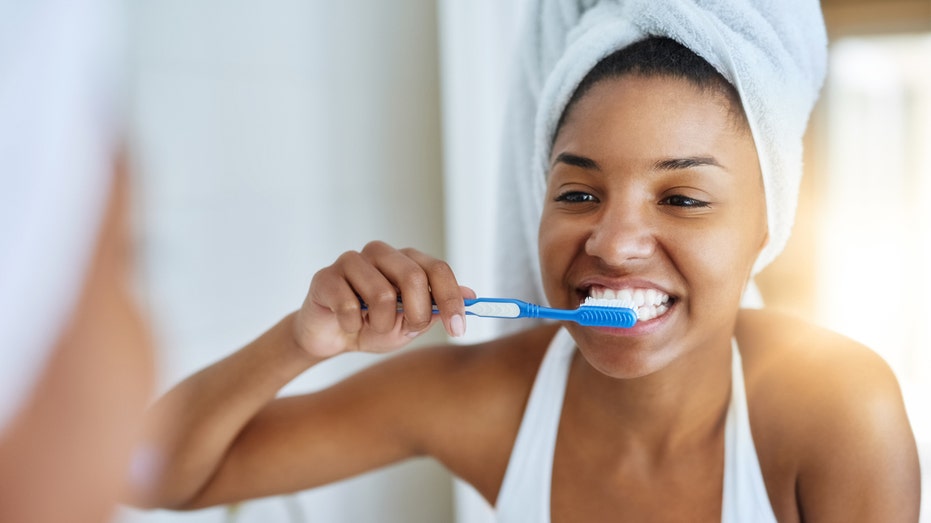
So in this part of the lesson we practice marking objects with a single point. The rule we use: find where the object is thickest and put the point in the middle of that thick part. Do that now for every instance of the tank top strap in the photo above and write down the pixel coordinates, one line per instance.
(745, 496)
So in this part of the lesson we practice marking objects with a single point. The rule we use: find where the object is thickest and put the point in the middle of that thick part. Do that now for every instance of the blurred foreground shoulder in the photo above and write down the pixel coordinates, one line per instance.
(828, 417)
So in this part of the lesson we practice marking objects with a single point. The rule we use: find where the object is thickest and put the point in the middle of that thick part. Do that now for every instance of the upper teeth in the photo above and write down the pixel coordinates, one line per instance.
(635, 297)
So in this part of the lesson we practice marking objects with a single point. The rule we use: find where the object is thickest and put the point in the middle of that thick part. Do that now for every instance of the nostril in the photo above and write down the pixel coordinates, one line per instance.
(616, 245)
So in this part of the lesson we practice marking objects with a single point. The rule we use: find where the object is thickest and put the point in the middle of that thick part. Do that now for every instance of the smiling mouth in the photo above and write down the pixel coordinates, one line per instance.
(648, 303)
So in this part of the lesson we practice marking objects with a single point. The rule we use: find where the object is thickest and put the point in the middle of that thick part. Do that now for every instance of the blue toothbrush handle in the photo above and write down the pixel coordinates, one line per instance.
(590, 316)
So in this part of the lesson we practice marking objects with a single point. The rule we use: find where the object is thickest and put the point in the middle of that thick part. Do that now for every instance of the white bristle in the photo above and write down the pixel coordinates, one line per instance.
(600, 302)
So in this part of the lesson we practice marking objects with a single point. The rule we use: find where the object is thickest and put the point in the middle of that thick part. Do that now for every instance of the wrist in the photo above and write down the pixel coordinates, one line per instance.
(294, 355)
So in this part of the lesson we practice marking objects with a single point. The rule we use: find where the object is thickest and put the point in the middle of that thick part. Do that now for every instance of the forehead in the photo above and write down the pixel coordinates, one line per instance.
(655, 115)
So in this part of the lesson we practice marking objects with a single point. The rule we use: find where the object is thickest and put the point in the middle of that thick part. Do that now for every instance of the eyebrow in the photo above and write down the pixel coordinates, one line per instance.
(674, 164)
(669, 164)
(577, 161)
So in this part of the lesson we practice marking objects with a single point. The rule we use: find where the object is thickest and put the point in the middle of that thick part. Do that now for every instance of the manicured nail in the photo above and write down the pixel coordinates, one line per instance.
(457, 326)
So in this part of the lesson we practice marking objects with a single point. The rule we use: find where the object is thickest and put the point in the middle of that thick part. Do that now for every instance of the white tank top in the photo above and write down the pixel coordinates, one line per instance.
(525, 492)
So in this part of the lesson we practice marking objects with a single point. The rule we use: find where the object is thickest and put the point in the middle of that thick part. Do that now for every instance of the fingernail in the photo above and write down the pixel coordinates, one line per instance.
(413, 334)
(457, 326)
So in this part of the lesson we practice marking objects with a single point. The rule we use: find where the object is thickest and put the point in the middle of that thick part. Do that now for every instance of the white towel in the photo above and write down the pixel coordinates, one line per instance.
(57, 116)
(774, 52)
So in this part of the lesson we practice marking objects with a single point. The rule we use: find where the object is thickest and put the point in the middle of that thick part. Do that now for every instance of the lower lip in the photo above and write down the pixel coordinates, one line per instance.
(641, 327)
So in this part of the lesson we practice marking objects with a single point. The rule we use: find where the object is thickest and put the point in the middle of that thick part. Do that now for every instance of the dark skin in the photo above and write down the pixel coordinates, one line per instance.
(654, 187)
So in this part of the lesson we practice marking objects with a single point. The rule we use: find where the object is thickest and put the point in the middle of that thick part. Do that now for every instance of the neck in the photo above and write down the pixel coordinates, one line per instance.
(679, 406)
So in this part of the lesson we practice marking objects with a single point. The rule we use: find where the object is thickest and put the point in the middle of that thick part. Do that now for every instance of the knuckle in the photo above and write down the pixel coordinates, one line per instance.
(345, 257)
(385, 297)
(439, 268)
(348, 308)
(416, 278)
(375, 246)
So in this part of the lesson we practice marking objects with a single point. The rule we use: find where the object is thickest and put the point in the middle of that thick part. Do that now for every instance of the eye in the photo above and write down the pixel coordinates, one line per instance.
(677, 200)
(576, 197)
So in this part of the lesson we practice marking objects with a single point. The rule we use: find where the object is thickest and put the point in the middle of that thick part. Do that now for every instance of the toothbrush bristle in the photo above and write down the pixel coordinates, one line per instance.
(601, 302)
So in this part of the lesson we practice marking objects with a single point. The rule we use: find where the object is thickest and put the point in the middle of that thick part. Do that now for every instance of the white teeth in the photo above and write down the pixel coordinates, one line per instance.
(650, 296)
(648, 303)
(638, 298)
(650, 312)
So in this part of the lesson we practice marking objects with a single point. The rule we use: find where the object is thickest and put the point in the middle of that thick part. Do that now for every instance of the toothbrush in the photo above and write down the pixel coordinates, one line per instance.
(592, 313)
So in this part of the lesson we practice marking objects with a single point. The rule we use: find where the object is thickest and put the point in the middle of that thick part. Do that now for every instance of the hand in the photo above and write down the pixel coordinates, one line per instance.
(332, 321)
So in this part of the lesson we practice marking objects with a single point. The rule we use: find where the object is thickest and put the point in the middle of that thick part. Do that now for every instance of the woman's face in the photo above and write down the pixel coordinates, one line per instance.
(655, 189)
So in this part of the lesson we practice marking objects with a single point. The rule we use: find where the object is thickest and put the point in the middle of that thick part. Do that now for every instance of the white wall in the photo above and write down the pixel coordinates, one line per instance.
(478, 41)
(267, 138)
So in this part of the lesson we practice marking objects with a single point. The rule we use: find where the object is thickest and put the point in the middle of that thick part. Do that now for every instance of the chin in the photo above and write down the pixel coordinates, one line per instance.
(623, 358)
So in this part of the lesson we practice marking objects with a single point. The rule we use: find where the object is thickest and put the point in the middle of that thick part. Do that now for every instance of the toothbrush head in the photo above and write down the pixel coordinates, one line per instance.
(607, 313)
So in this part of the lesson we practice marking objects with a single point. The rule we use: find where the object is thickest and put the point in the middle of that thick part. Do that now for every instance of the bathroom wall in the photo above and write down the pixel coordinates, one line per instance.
(266, 138)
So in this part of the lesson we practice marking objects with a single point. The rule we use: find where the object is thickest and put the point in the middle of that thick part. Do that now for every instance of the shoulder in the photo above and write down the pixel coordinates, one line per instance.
(783, 352)
(828, 419)
(780, 349)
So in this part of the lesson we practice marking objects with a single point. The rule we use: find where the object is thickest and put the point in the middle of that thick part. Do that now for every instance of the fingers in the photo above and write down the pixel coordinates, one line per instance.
(409, 281)
(444, 289)
(374, 288)
(378, 275)
(330, 291)
(422, 282)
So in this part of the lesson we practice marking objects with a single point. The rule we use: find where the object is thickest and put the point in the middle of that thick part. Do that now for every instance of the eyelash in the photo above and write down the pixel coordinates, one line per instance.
(576, 197)
(676, 200)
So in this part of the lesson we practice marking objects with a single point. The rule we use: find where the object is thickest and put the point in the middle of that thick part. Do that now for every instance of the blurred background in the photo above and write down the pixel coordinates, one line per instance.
(268, 137)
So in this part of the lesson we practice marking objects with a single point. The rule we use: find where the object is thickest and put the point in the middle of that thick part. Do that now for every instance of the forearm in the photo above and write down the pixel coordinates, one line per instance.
(192, 427)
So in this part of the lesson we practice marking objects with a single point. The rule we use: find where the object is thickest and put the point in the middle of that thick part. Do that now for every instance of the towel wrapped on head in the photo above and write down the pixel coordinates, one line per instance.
(774, 53)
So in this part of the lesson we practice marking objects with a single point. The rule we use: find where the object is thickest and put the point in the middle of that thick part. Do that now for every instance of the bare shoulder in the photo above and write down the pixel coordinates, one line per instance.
(780, 349)
(828, 421)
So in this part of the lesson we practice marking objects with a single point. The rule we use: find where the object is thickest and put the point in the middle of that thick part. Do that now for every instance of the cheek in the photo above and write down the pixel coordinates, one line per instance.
(717, 260)
(558, 245)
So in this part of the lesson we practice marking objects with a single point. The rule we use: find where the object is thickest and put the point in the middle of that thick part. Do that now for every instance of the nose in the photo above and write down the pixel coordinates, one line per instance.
(622, 234)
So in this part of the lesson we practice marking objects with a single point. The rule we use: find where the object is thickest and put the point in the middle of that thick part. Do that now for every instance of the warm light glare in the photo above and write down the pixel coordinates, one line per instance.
(874, 237)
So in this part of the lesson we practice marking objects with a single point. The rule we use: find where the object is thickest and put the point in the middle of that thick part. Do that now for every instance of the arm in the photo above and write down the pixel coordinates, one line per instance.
(221, 436)
(862, 462)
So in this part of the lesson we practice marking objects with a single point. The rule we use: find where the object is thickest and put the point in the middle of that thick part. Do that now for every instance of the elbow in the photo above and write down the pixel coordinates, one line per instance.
(155, 500)
(151, 485)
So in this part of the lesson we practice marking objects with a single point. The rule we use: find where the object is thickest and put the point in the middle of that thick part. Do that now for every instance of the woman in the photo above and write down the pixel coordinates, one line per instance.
(701, 412)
